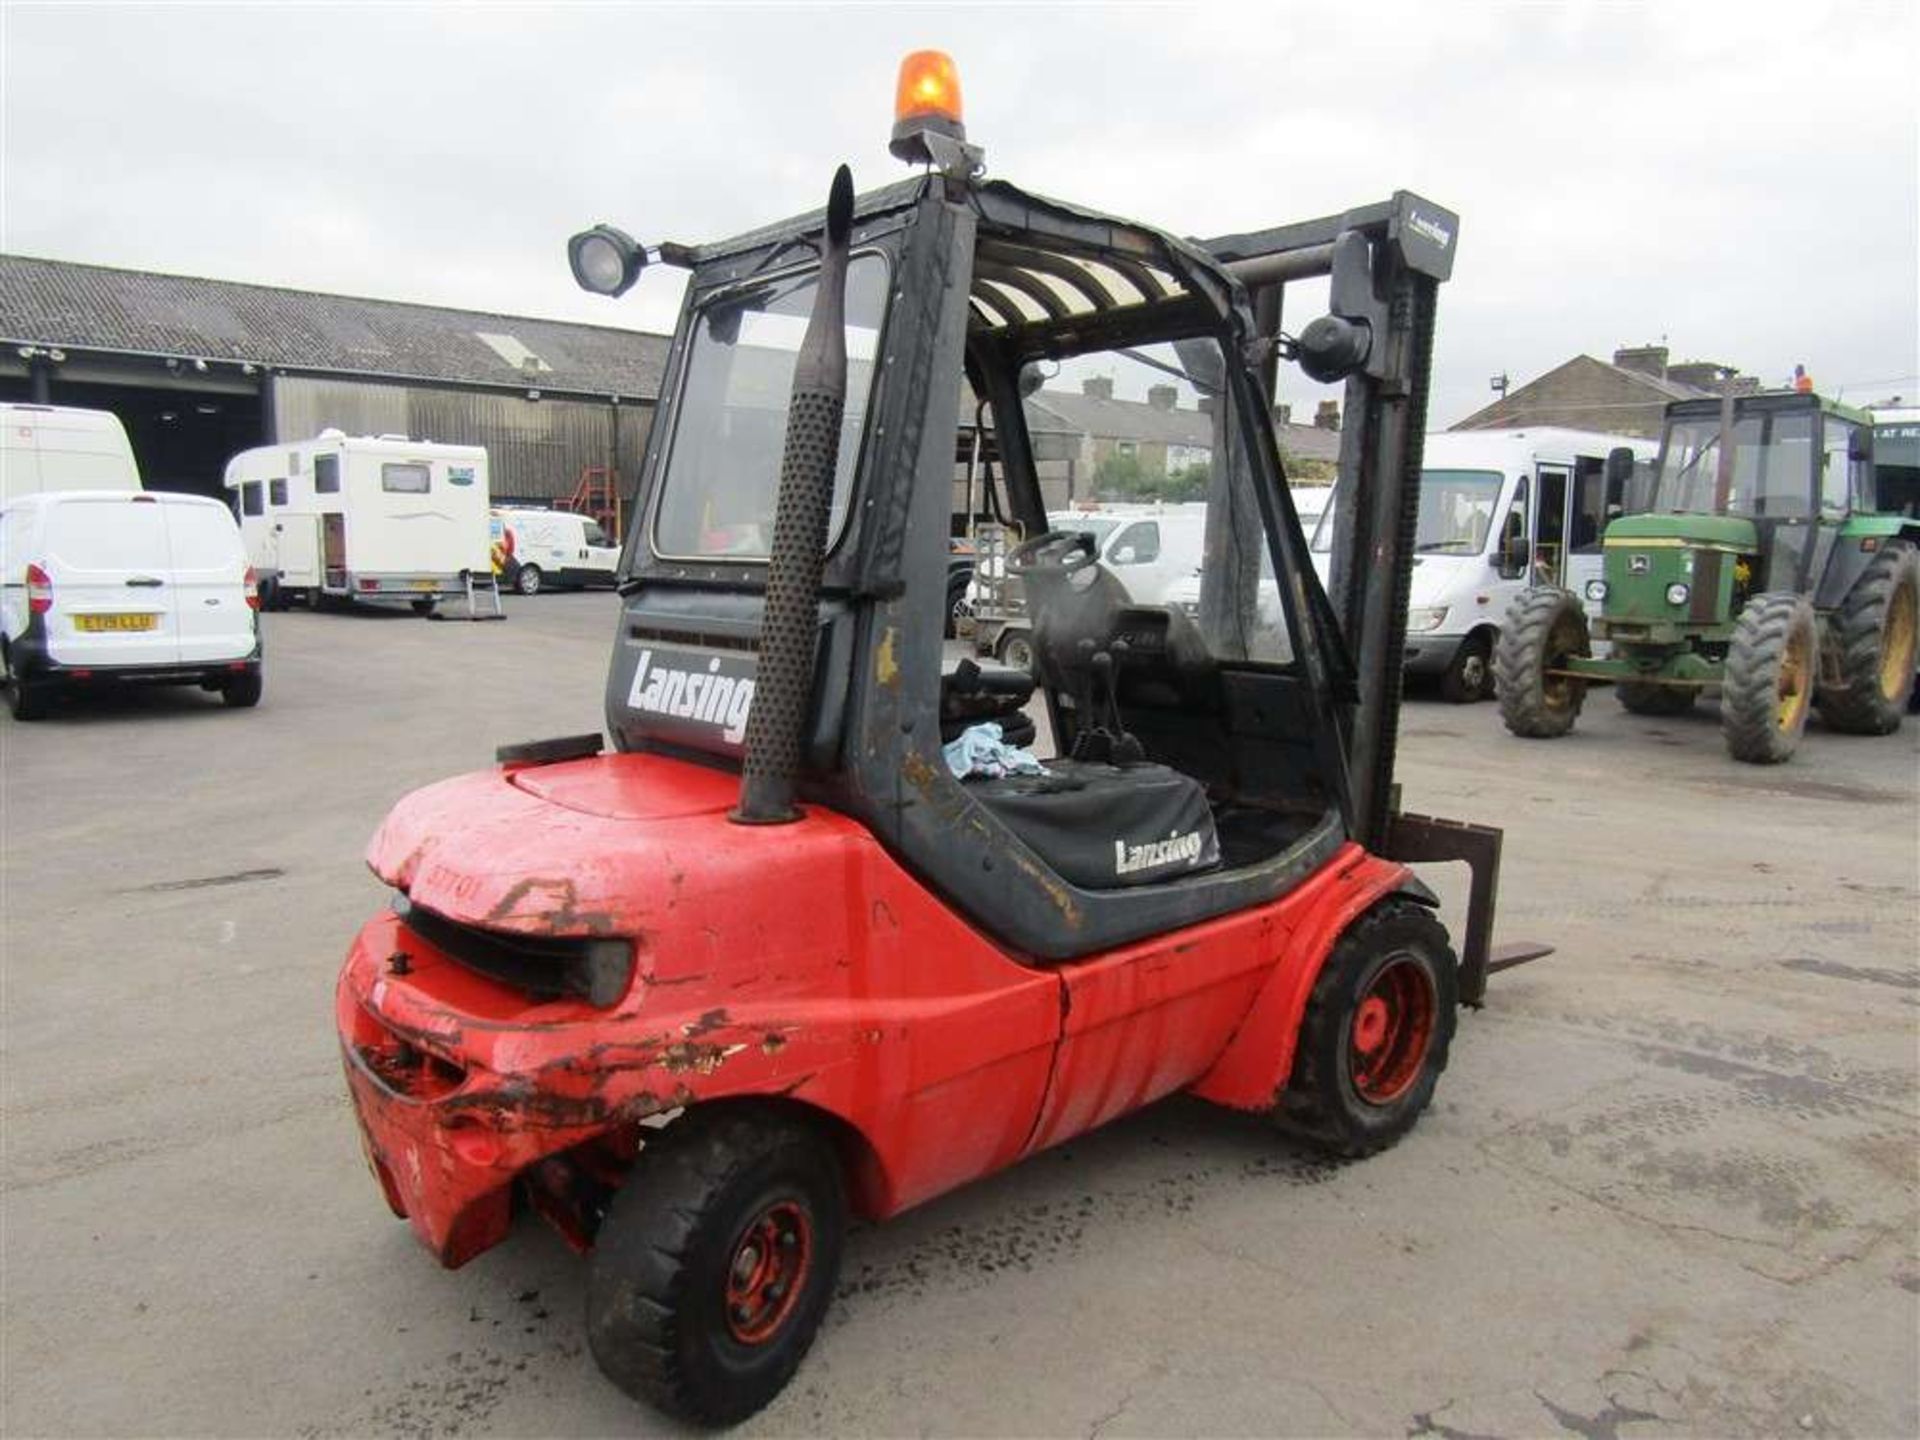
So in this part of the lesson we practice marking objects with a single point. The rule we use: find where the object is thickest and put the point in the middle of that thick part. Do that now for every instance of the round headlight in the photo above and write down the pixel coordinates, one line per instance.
(1677, 594)
(605, 261)
(1597, 591)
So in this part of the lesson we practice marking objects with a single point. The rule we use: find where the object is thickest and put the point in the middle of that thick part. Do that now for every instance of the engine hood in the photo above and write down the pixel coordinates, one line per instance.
(589, 847)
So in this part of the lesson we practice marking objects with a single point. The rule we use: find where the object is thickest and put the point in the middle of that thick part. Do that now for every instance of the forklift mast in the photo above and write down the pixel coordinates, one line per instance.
(1385, 263)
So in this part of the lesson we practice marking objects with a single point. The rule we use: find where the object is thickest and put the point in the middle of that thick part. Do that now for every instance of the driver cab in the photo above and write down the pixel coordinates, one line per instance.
(1181, 762)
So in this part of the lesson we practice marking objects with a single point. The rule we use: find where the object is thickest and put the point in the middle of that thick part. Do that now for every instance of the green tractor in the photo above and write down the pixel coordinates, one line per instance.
(1761, 561)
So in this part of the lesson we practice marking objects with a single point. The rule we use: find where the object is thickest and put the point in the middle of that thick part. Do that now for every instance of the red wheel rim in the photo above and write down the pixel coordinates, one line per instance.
(766, 1271)
(1391, 1031)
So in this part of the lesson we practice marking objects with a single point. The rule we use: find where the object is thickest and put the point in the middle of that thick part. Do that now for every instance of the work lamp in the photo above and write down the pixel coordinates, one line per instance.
(606, 261)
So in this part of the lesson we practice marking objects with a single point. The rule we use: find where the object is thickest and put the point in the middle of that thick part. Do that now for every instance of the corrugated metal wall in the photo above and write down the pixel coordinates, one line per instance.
(535, 449)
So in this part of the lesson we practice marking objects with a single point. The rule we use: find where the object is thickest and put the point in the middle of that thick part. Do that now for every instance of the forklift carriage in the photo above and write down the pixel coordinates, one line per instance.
(771, 962)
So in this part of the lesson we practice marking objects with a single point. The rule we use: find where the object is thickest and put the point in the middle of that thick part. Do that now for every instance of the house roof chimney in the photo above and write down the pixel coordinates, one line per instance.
(1646, 359)
(1162, 397)
(1100, 387)
(1326, 415)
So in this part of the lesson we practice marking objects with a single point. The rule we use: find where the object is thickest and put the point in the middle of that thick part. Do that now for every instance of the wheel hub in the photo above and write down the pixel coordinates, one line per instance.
(1392, 1031)
(767, 1271)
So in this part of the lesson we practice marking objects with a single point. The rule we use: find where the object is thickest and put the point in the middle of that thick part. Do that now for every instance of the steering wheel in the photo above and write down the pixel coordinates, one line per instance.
(1069, 551)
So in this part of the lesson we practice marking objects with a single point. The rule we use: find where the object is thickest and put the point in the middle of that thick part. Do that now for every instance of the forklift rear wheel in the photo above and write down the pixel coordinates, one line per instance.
(1767, 687)
(1644, 698)
(1469, 675)
(1878, 633)
(1376, 1033)
(527, 580)
(1544, 629)
(715, 1264)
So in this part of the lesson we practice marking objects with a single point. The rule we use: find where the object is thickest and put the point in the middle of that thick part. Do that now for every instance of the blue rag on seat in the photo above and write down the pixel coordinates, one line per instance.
(979, 750)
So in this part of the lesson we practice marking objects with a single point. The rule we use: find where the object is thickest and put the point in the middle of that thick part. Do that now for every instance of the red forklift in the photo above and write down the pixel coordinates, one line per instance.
(775, 957)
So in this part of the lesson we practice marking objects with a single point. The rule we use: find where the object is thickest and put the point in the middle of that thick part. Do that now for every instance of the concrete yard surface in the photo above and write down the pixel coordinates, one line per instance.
(1670, 1185)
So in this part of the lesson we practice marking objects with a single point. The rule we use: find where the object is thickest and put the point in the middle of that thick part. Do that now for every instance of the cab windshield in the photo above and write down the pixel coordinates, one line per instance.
(1772, 466)
(729, 429)
(1456, 511)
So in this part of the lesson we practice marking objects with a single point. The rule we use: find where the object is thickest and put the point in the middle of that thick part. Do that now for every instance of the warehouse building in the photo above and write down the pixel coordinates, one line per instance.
(198, 370)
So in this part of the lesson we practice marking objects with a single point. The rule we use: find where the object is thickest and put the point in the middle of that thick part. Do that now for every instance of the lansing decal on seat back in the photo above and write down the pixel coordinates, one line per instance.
(1174, 850)
(701, 696)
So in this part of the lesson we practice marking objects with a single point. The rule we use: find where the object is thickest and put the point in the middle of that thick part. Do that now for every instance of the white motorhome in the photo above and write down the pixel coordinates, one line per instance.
(376, 517)
(58, 447)
(535, 549)
(1500, 510)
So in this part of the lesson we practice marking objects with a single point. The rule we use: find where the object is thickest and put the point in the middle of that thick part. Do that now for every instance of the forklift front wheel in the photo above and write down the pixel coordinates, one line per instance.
(1376, 1033)
(715, 1264)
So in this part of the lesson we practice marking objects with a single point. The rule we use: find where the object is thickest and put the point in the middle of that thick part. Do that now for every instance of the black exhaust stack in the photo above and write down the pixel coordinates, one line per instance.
(789, 628)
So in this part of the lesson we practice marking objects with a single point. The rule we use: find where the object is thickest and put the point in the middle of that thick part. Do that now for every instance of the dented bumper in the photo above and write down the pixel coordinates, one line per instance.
(443, 1099)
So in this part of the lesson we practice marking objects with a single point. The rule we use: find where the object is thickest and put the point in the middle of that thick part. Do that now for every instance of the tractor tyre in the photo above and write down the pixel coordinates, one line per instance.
(1878, 633)
(1643, 698)
(1375, 1035)
(1544, 629)
(1469, 675)
(1767, 688)
(716, 1262)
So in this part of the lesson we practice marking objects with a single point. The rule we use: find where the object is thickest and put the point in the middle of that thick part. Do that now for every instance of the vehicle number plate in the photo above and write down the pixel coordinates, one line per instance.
(426, 584)
(97, 623)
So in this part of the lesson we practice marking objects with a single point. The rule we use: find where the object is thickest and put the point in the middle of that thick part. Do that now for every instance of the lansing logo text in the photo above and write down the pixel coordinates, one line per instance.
(704, 696)
(1174, 850)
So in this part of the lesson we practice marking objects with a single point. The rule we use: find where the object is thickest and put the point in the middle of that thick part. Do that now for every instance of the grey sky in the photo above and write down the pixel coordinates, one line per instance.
(1741, 179)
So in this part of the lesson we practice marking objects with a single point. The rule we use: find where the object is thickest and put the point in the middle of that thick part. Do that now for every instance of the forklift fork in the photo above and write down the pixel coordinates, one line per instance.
(1413, 839)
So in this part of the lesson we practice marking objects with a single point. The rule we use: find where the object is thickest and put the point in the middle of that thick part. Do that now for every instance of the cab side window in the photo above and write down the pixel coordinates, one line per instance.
(1512, 553)
(1837, 440)
(1138, 544)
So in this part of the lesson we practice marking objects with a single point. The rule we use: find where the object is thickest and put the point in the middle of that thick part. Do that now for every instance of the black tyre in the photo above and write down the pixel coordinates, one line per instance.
(957, 608)
(715, 1264)
(1645, 698)
(1014, 649)
(1376, 1032)
(527, 580)
(1543, 630)
(1469, 675)
(26, 699)
(243, 691)
(1877, 632)
(1767, 687)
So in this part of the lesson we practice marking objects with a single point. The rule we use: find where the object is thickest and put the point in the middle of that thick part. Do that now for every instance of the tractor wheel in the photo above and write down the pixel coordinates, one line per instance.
(1544, 629)
(1878, 632)
(1644, 698)
(1375, 1036)
(715, 1264)
(1469, 675)
(1767, 687)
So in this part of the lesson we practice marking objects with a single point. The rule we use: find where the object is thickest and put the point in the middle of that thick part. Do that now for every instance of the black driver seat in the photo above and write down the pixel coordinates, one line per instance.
(1103, 826)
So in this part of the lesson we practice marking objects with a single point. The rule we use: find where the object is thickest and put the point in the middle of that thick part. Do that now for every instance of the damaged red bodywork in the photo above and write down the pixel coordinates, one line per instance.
(940, 1056)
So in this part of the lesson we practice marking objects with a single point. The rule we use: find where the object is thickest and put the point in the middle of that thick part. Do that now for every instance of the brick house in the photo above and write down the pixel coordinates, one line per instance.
(1627, 397)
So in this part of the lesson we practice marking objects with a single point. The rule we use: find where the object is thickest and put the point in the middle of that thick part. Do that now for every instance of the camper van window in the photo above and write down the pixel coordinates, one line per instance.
(276, 492)
(326, 474)
(250, 499)
(405, 479)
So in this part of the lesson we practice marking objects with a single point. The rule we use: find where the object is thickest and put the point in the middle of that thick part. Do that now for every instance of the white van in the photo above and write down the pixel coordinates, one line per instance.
(107, 586)
(535, 549)
(57, 447)
(1500, 510)
(1309, 502)
(367, 518)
